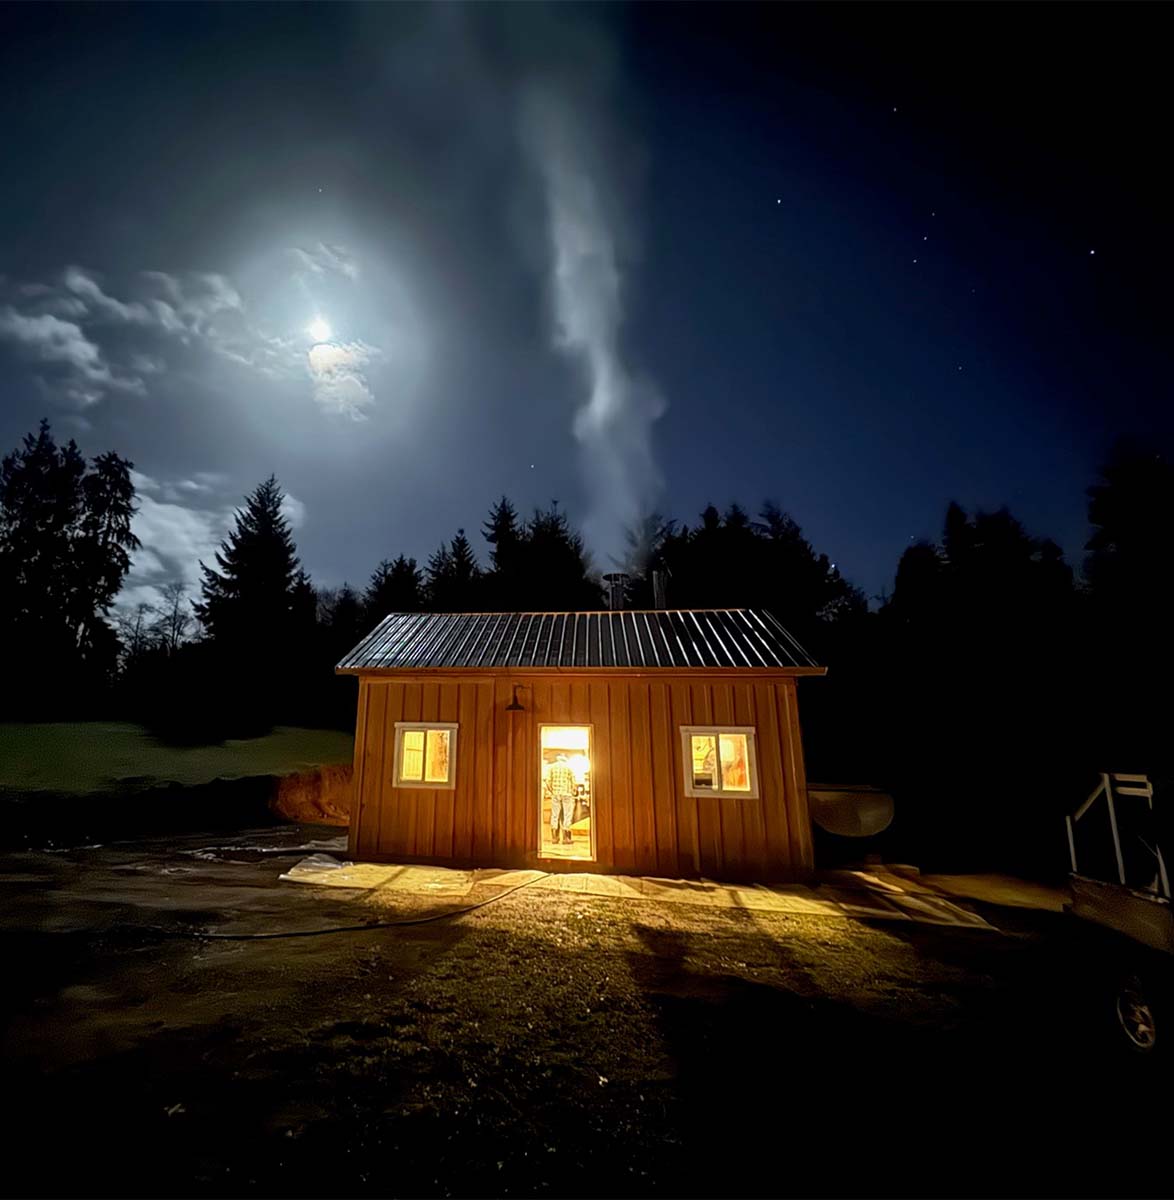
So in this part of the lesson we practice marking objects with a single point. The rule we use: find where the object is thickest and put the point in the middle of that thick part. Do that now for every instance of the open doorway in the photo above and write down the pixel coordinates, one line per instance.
(566, 791)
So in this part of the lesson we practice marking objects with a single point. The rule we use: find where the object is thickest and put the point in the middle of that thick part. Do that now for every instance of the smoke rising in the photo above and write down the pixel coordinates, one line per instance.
(588, 228)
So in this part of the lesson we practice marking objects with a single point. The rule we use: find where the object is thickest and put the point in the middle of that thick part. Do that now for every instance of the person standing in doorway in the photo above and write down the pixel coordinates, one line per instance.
(560, 787)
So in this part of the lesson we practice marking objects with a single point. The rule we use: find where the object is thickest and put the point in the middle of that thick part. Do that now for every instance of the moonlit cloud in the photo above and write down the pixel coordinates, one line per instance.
(92, 298)
(293, 510)
(340, 384)
(184, 306)
(325, 258)
(203, 481)
(77, 322)
(86, 374)
(196, 299)
(175, 537)
(181, 491)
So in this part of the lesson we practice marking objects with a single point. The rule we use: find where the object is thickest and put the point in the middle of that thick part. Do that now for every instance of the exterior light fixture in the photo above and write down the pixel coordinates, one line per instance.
(514, 705)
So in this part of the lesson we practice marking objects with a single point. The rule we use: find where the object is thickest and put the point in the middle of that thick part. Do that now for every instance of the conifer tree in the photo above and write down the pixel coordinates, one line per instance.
(394, 587)
(248, 602)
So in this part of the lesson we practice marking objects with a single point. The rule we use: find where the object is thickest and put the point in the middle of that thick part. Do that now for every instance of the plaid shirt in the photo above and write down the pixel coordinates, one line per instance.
(560, 780)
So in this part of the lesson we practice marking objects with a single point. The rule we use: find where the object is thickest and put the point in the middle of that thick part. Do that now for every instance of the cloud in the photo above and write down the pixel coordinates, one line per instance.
(92, 298)
(143, 483)
(147, 364)
(181, 491)
(325, 258)
(203, 482)
(64, 322)
(74, 321)
(55, 341)
(340, 385)
(585, 222)
(175, 537)
(293, 510)
(194, 300)
(52, 340)
(186, 307)
(64, 306)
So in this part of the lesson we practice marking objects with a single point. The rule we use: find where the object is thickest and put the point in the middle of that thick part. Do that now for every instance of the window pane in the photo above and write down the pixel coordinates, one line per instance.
(436, 770)
(735, 763)
(412, 766)
(704, 754)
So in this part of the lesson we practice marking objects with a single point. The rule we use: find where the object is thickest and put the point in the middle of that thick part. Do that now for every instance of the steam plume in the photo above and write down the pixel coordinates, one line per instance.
(586, 227)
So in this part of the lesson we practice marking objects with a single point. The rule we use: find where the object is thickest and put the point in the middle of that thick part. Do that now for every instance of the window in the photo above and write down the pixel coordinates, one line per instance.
(425, 755)
(719, 760)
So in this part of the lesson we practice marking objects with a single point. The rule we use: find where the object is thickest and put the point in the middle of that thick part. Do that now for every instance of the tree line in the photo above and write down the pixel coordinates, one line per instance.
(982, 691)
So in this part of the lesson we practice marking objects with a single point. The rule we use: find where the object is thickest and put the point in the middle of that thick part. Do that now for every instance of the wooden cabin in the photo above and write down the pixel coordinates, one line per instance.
(658, 743)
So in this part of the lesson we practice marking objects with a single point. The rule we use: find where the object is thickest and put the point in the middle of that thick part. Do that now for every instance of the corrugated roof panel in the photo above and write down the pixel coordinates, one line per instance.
(686, 655)
(656, 641)
(580, 643)
(627, 622)
(623, 640)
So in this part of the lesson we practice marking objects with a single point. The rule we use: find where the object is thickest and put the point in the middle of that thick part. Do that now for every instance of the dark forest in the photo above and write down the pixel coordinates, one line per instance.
(984, 691)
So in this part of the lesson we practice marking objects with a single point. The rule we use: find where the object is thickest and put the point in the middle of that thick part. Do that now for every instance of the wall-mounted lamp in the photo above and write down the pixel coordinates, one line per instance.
(514, 705)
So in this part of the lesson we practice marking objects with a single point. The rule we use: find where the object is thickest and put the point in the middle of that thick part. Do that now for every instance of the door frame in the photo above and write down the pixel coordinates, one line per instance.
(590, 727)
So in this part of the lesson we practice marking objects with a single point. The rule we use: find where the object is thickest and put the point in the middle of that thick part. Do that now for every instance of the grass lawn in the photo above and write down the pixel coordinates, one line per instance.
(92, 755)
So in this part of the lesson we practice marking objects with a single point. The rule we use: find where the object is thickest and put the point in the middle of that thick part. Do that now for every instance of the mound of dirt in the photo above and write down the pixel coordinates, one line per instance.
(143, 807)
(318, 797)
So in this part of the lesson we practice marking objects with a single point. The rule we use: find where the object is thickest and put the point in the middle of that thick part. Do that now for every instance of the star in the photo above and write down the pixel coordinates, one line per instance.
(925, 239)
(915, 260)
(933, 214)
(778, 201)
(894, 108)
(1092, 252)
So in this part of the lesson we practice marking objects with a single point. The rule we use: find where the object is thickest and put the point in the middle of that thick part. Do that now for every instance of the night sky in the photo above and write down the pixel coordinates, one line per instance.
(861, 261)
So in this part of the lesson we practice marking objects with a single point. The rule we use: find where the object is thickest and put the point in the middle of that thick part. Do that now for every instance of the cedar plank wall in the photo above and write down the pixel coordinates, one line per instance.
(644, 822)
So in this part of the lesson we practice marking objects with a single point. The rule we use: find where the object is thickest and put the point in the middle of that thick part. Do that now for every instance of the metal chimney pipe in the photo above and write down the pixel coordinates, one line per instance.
(617, 583)
(660, 581)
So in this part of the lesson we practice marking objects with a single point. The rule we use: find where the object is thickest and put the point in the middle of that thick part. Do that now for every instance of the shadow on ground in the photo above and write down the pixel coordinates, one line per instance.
(548, 1044)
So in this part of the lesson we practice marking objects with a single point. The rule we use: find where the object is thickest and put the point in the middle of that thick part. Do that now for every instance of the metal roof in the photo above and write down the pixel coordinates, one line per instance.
(623, 639)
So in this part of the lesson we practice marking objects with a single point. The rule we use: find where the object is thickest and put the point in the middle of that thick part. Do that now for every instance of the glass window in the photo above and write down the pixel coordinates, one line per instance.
(735, 760)
(412, 760)
(705, 761)
(424, 755)
(436, 756)
(719, 761)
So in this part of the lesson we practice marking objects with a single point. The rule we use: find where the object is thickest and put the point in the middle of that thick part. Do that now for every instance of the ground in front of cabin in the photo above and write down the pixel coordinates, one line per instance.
(546, 1044)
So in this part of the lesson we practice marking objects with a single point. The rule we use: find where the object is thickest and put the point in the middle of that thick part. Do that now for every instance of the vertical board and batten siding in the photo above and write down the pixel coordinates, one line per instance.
(643, 821)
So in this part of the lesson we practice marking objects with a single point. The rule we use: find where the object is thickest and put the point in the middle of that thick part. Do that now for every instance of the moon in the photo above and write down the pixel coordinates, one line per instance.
(319, 330)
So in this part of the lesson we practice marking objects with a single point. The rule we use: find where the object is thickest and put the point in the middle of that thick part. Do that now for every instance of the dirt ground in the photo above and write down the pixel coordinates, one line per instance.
(545, 1044)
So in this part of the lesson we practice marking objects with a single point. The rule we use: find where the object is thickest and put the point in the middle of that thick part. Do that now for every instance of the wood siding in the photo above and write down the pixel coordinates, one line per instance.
(643, 821)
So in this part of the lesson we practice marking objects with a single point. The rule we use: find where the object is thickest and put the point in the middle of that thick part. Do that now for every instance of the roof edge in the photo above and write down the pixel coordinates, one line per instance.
(651, 672)
(554, 612)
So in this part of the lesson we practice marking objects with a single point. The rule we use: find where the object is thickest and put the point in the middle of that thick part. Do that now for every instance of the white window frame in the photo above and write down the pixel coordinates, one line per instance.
(691, 789)
(419, 785)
